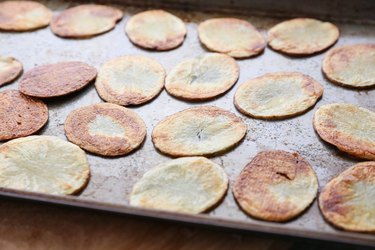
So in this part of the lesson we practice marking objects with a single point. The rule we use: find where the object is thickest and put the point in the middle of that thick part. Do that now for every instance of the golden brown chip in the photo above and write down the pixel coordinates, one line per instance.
(277, 95)
(130, 80)
(351, 65)
(57, 79)
(156, 30)
(231, 36)
(204, 130)
(10, 69)
(350, 128)
(23, 15)
(302, 36)
(44, 164)
(85, 20)
(187, 185)
(276, 186)
(20, 115)
(105, 129)
(348, 200)
(203, 77)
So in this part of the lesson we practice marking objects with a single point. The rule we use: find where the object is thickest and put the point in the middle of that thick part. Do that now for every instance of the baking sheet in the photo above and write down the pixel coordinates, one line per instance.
(113, 178)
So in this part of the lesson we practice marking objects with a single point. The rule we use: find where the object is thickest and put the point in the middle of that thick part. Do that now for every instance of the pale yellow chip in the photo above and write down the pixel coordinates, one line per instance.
(156, 30)
(351, 65)
(203, 77)
(231, 36)
(10, 69)
(277, 95)
(23, 15)
(348, 200)
(44, 164)
(187, 185)
(204, 130)
(85, 21)
(302, 36)
(350, 128)
(130, 80)
(276, 186)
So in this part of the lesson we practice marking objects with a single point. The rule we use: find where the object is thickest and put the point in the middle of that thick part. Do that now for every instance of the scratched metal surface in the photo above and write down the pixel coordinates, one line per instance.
(112, 178)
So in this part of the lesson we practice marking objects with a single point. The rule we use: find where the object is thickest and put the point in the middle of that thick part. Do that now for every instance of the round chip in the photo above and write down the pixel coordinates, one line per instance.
(302, 36)
(276, 186)
(156, 30)
(23, 15)
(347, 201)
(187, 185)
(277, 95)
(352, 65)
(10, 69)
(130, 80)
(57, 79)
(105, 129)
(20, 115)
(350, 128)
(231, 36)
(85, 20)
(205, 130)
(203, 77)
(44, 164)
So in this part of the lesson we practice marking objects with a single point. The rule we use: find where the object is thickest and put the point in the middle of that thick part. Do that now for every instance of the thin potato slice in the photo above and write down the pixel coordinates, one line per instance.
(199, 131)
(302, 36)
(44, 164)
(10, 69)
(348, 202)
(20, 115)
(105, 129)
(156, 30)
(23, 15)
(85, 20)
(58, 79)
(276, 186)
(234, 37)
(130, 80)
(203, 77)
(351, 65)
(350, 128)
(186, 185)
(277, 95)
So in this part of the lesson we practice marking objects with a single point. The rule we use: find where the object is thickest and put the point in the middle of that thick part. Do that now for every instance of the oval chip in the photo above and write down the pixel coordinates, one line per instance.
(347, 201)
(130, 80)
(20, 115)
(85, 20)
(105, 129)
(351, 65)
(204, 130)
(277, 95)
(57, 79)
(186, 185)
(44, 164)
(350, 128)
(276, 186)
(23, 15)
(231, 36)
(10, 69)
(302, 36)
(156, 30)
(203, 77)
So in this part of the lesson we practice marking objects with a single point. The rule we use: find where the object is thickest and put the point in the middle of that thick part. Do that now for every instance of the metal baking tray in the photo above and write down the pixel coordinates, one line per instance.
(113, 178)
